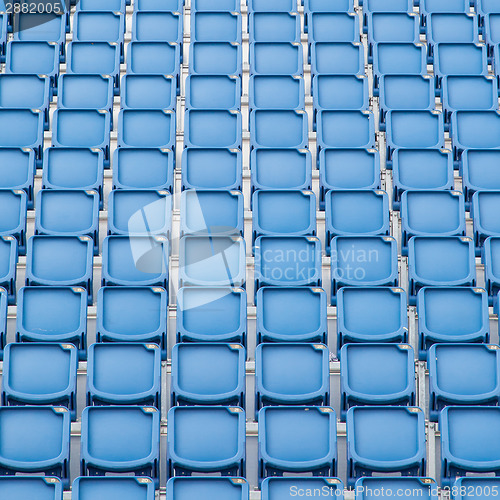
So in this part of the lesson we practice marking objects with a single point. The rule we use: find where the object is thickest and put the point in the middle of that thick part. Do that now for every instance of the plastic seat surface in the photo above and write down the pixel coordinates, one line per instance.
(340, 92)
(491, 28)
(157, 26)
(13, 205)
(475, 130)
(3, 319)
(274, 27)
(460, 59)
(85, 91)
(213, 91)
(326, 6)
(159, 5)
(17, 169)
(484, 207)
(152, 128)
(211, 488)
(345, 129)
(276, 92)
(491, 259)
(91, 26)
(337, 58)
(370, 487)
(280, 488)
(215, 58)
(474, 484)
(31, 487)
(105, 488)
(216, 27)
(452, 27)
(383, 6)
(276, 58)
(276, 6)
(333, 27)
(212, 128)
(155, 58)
(479, 171)
(215, 5)
(8, 261)
(279, 128)
(22, 128)
(111, 5)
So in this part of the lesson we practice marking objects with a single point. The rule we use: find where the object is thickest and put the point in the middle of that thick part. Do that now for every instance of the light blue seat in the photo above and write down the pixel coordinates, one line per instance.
(212, 261)
(124, 374)
(104, 449)
(102, 488)
(3, 319)
(297, 439)
(208, 374)
(132, 314)
(223, 488)
(206, 439)
(211, 314)
(135, 261)
(148, 128)
(40, 374)
(276, 58)
(479, 171)
(212, 128)
(485, 206)
(333, 58)
(276, 92)
(214, 5)
(467, 487)
(363, 261)
(451, 315)
(49, 427)
(156, 172)
(211, 212)
(385, 439)
(215, 58)
(148, 91)
(469, 441)
(13, 206)
(311, 6)
(487, 7)
(53, 314)
(213, 92)
(159, 5)
(491, 259)
(451, 385)
(376, 374)
(287, 261)
(490, 26)
(292, 374)
(109, 5)
(211, 168)
(276, 6)
(3, 35)
(281, 488)
(8, 262)
(150, 26)
(278, 129)
(333, 27)
(216, 26)
(274, 27)
(428, 7)
(358, 307)
(17, 170)
(370, 6)
(423, 487)
(31, 487)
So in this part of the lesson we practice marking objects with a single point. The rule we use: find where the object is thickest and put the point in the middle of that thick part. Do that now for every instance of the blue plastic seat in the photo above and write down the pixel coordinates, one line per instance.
(109, 5)
(490, 26)
(280, 169)
(13, 206)
(8, 262)
(333, 58)
(159, 5)
(451, 315)
(3, 319)
(484, 210)
(157, 26)
(487, 7)
(223, 488)
(215, 5)
(120, 439)
(276, 6)
(274, 27)
(276, 92)
(363, 261)
(103, 488)
(42, 488)
(156, 172)
(216, 27)
(428, 7)
(431, 213)
(479, 171)
(297, 439)
(491, 259)
(451, 385)
(40, 374)
(215, 58)
(123, 374)
(142, 212)
(281, 488)
(292, 374)
(216, 314)
(212, 261)
(311, 6)
(287, 261)
(276, 58)
(3, 34)
(291, 314)
(213, 92)
(469, 441)
(284, 213)
(135, 261)
(208, 374)
(211, 168)
(371, 314)
(376, 374)
(148, 128)
(17, 170)
(423, 487)
(212, 128)
(466, 487)
(35, 439)
(385, 439)
(370, 6)
(211, 212)
(53, 314)
(132, 314)
(206, 439)
(333, 27)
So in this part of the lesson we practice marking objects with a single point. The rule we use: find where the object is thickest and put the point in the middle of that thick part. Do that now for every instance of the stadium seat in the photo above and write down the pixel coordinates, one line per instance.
(212, 261)
(109, 5)
(328, 6)
(211, 212)
(216, 314)
(491, 258)
(451, 315)
(159, 5)
(371, 314)
(3, 35)
(274, 27)
(383, 6)
(385, 439)
(3, 320)
(291, 213)
(466, 487)
(215, 5)
(479, 171)
(43, 488)
(211, 168)
(292, 374)
(276, 92)
(215, 27)
(132, 314)
(148, 92)
(363, 261)
(141, 212)
(276, 6)
(431, 213)
(333, 27)
(423, 487)
(150, 26)
(212, 128)
(8, 262)
(40, 374)
(35, 439)
(287, 261)
(206, 439)
(376, 374)
(278, 488)
(13, 206)
(483, 209)
(276, 58)
(148, 128)
(333, 58)
(208, 374)
(53, 314)
(120, 439)
(17, 170)
(469, 441)
(487, 7)
(297, 439)
(279, 129)
(213, 92)
(60, 261)
(428, 7)
(102, 488)
(215, 58)
(451, 385)
(135, 261)
(124, 374)
(223, 488)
